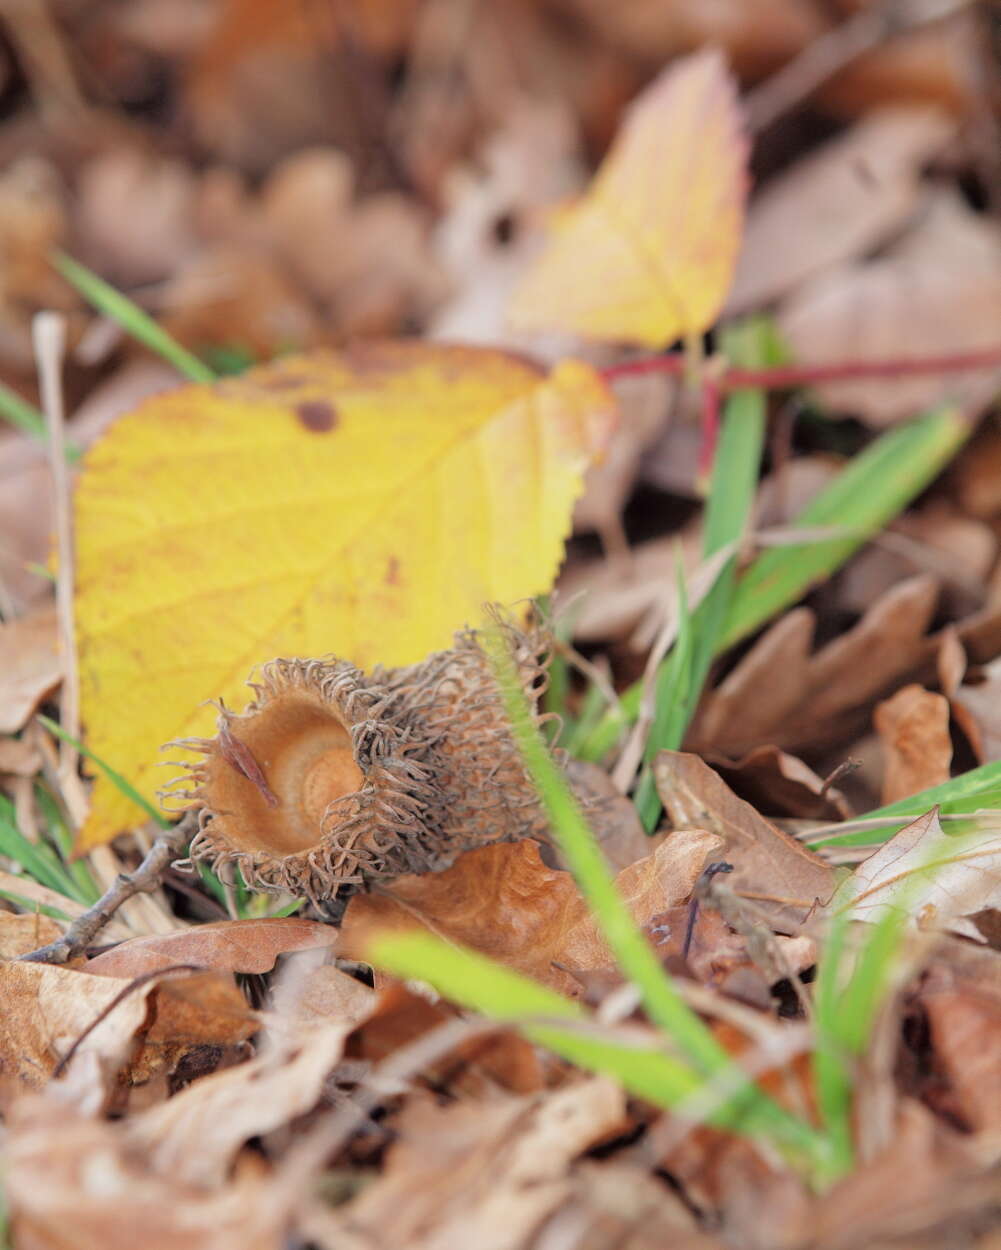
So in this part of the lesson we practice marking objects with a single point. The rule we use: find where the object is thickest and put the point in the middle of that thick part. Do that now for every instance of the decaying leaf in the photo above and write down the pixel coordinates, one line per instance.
(937, 878)
(780, 784)
(195, 1136)
(50, 1010)
(503, 901)
(772, 869)
(780, 693)
(914, 726)
(74, 1181)
(21, 934)
(228, 946)
(30, 665)
(963, 1015)
(483, 1175)
(937, 292)
(837, 204)
(648, 253)
(47, 1009)
(367, 503)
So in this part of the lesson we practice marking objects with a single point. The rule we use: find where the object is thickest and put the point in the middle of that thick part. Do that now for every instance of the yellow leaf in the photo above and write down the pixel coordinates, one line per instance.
(648, 254)
(366, 504)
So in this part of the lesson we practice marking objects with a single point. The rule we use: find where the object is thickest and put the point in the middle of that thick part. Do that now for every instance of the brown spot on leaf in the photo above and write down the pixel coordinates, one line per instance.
(393, 572)
(317, 415)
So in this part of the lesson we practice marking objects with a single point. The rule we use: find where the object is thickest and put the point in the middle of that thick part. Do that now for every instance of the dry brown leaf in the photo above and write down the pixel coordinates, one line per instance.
(491, 224)
(921, 1192)
(821, 699)
(75, 1183)
(20, 756)
(228, 294)
(778, 784)
(935, 539)
(48, 1008)
(613, 818)
(19, 935)
(837, 203)
(627, 593)
(503, 901)
(964, 1023)
(936, 292)
(195, 1136)
(914, 727)
(976, 706)
(937, 880)
(225, 946)
(34, 894)
(764, 688)
(135, 214)
(324, 995)
(30, 665)
(772, 869)
(644, 407)
(483, 1174)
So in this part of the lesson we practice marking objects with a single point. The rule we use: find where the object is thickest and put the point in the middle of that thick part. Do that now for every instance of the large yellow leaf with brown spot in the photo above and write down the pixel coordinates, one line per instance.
(365, 504)
(648, 254)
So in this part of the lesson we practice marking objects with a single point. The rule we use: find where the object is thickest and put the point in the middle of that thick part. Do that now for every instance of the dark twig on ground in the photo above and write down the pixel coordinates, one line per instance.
(168, 846)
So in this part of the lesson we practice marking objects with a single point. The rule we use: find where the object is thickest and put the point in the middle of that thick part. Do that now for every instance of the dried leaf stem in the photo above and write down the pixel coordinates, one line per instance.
(146, 878)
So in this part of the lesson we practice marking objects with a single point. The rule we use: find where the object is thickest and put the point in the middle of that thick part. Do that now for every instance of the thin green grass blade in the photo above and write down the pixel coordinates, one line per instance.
(672, 712)
(30, 905)
(60, 834)
(634, 955)
(114, 777)
(28, 418)
(478, 983)
(970, 792)
(37, 859)
(869, 493)
(736, 466)
(832, 1070)
(131, 318)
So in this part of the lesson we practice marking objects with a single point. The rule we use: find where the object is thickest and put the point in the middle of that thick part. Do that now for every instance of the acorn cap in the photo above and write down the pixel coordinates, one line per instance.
(333, 779)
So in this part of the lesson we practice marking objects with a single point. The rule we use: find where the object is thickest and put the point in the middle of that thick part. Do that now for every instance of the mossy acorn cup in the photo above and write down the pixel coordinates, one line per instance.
(334, 779)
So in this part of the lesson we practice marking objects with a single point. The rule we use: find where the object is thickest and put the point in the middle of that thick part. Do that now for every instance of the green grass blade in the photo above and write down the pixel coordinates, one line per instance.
(832, 1070)
(112, 303)
(62, 837)
(116, 778)
(634, 954)
(476, 982)
(736, 466)
(30, 905)
(37, 859)
(28, 418)
(970, 792)
(672, 711)
(866, 495)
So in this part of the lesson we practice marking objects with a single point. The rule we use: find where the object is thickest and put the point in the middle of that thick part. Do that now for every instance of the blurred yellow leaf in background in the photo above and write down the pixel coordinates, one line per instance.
(364, 503)
(648, 254)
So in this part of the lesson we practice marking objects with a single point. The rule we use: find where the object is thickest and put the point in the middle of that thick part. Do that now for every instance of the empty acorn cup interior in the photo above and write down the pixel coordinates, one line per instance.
(333, 779)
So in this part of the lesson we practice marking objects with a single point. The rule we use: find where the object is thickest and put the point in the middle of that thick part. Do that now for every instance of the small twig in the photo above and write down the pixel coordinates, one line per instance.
(785, 377)
(833, 777)
(834, 51)
(146, 878)
(49, 335)
(710, 871)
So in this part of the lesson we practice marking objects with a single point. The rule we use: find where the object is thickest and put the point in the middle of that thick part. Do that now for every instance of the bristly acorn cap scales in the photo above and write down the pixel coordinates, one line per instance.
(333, 779)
